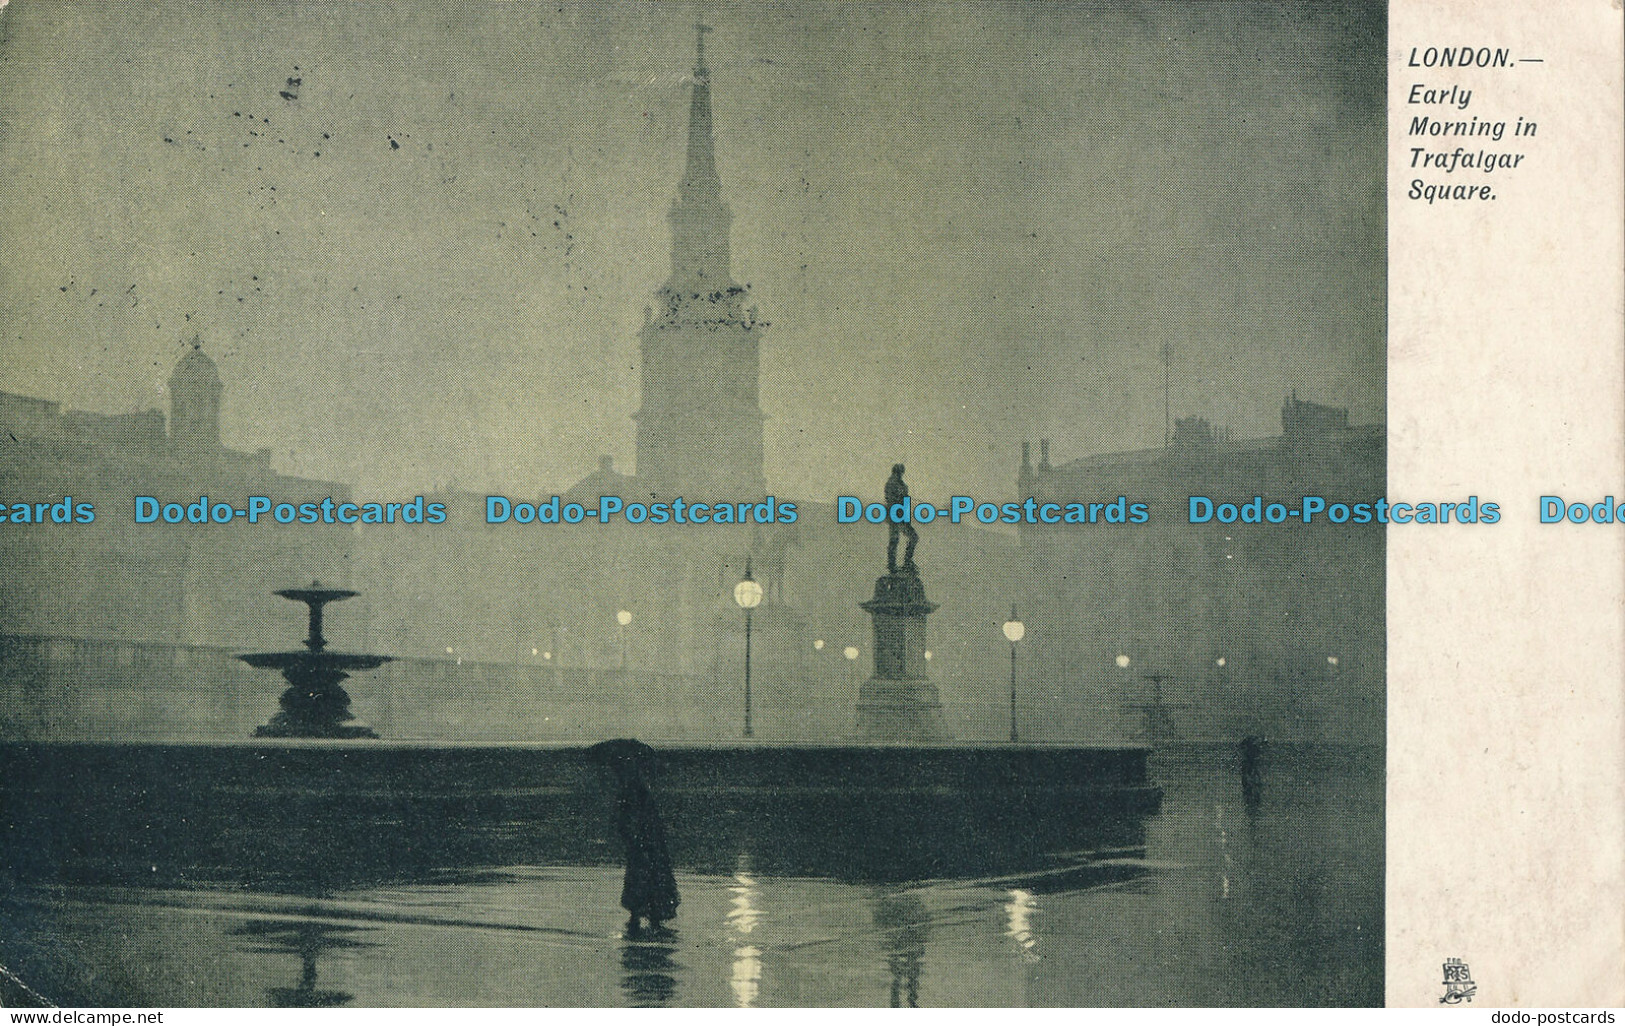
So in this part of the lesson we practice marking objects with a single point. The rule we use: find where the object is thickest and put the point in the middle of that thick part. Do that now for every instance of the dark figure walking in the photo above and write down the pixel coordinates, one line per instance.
(897, 491)
(650, 888)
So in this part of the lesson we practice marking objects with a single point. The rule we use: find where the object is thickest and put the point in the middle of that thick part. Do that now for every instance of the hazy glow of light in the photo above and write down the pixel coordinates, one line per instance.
(743, 918)
(448, 650)
(748, 594)
(851, 652)
(623, 618)
(818, 646)
(547, 655)
(534, 652)
(1122, 661)
(1020, 909)
(1332, 660)
(746, 981)
(1219, 661)
(928, 655)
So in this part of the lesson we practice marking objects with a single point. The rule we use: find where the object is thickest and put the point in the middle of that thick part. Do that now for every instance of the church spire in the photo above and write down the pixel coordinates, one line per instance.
(700, 220)
(700, 422)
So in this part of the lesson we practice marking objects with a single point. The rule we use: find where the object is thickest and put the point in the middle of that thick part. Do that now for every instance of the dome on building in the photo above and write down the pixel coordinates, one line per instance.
(195, 371)
(194, 403)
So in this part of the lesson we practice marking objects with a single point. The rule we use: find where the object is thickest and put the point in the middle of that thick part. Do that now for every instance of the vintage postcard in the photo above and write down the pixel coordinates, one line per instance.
(804, 504)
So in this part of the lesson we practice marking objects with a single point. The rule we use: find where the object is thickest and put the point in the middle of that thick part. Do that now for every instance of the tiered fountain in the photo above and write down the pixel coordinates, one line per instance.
(315, 704)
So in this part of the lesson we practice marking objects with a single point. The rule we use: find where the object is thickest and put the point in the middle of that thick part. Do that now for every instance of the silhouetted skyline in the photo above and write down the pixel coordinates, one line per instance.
(967, 226)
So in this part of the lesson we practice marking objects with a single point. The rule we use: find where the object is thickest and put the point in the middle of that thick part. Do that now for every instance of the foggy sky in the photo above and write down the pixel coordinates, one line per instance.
(969, 224)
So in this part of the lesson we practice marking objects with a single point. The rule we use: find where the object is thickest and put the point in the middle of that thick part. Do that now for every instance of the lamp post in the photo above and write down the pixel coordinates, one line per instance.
(624, 618)
(747, 595)
(1014, 631)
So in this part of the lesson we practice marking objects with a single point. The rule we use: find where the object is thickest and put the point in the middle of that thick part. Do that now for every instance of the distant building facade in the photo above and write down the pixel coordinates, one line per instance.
(1218, 629)
(160, 583)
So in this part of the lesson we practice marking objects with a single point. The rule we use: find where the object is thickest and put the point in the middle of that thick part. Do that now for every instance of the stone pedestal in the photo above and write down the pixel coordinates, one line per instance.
(899, 703)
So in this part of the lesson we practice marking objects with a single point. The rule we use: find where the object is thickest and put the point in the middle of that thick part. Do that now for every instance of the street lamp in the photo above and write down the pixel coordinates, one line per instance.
(1014, 631)
(748, 595)
(624, 618)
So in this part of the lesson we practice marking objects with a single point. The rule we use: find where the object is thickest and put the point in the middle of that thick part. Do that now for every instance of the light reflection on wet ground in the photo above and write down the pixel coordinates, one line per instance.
(1226, 904)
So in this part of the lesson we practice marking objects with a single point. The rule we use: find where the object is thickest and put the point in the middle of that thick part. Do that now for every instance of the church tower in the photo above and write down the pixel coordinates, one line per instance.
(194, 404)
(700, 426)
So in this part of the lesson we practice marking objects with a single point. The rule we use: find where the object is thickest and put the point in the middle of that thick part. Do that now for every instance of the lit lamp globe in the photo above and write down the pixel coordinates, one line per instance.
(1014, 631)
(623, 618)
(851, 652)
(748, 594)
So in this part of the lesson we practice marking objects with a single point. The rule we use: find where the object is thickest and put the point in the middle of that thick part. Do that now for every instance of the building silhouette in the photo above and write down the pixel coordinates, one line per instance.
(194, 405)
(1249, 628)
(699, 429)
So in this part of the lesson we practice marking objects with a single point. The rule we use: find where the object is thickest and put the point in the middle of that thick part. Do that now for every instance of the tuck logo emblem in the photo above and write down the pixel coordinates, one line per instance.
(1458, 982)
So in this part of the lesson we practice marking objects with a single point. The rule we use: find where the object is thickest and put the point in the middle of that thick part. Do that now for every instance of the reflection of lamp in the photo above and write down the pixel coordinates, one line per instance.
(624, 618)
(1020, 910)
(1014, 631)
(748, 595)
(743, 917)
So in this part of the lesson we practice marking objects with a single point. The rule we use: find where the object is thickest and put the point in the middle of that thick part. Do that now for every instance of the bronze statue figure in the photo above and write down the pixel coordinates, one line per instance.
(896, 492)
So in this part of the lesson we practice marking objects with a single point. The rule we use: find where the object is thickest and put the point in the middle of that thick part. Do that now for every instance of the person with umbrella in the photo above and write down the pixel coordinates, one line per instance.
(650, 888)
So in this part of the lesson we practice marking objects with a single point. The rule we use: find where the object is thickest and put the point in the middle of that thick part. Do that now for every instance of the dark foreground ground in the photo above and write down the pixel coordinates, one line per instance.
(375, 875)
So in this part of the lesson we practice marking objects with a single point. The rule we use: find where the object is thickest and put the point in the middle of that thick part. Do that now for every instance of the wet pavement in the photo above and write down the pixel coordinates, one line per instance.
(1219, 901)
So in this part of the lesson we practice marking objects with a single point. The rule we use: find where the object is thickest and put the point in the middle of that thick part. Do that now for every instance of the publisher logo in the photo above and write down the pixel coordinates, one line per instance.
(1458, 983)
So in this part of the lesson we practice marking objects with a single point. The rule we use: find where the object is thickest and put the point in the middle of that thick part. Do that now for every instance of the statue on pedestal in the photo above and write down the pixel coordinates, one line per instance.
(899, 702)
(896, 492)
